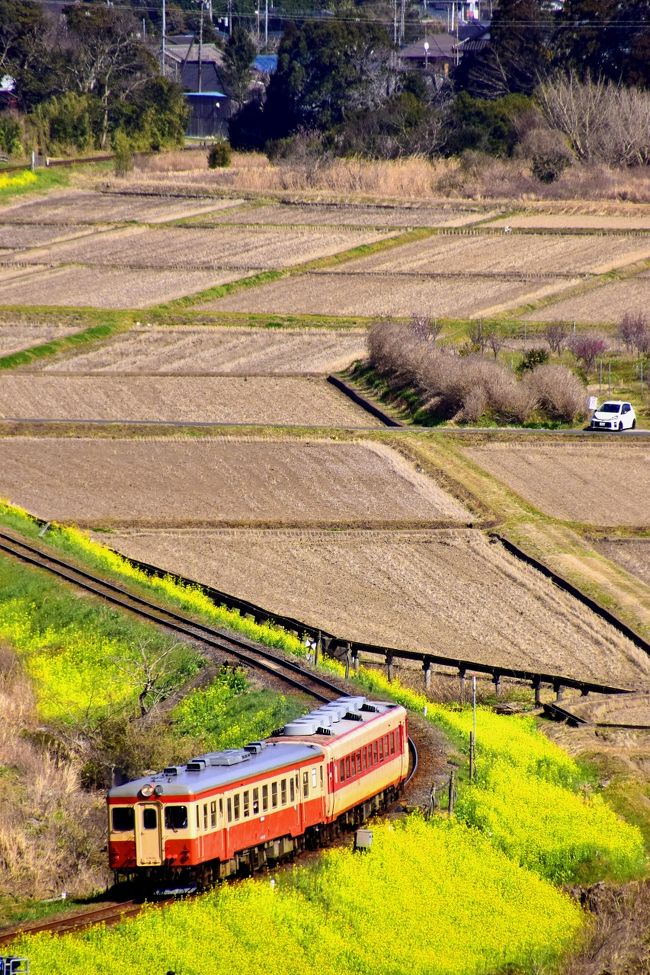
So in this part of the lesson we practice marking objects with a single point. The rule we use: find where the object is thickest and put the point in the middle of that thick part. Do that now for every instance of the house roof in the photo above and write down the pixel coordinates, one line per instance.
(210, 78)
(266, 63)
(440, 46)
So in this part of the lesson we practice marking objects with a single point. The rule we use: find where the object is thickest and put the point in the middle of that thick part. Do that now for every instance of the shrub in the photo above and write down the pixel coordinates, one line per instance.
(123, 156)
(548, 153)
(219, 154)
(11, 135)
(63, 123)
(532, 359)
(558, 394)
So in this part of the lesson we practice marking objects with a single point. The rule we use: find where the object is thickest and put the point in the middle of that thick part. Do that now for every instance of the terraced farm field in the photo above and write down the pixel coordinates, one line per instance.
(209, 399)
(639, 219)
(599, 484)
(220, 482)
(451, 592)
(104, 287)
(552, 254)
(243, 248)
(233, 351)
(352, 293)
(632, 553)
(90, 207)
(319, 214)
(605, 304)
(14, 337)
(17, 237)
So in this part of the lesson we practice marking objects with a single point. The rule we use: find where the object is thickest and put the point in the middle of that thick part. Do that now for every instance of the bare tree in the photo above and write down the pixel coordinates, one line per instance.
(556, 336)
(424, 327)
(634, 333)
(478, 336)
(495, 342)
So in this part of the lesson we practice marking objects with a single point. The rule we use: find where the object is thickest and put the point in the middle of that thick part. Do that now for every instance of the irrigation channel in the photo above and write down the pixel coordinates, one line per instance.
(292, 674)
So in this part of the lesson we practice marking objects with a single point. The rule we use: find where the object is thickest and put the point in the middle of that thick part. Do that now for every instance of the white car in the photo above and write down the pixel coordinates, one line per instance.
(614, 415)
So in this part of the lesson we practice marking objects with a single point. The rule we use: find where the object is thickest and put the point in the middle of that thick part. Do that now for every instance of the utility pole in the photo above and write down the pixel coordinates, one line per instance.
(395, 22)
(201, 48)
(402, 14)
(266, 25)
(163, 51)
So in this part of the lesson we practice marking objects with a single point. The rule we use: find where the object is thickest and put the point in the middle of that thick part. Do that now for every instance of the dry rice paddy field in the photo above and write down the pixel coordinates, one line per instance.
(244, 248)
(351, 293)
(17, 237)
(188, 351)
(630, 222)
(323, 214)
(207, 399)
(632, 553)
(89, 287)
(598, 484)
(448, 591)
(489, 253)
(14, 337)
(220, 482)
(91, 207)
(604, 304)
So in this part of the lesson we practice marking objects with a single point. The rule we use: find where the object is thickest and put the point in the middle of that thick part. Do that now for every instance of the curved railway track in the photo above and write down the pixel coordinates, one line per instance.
(294, 675)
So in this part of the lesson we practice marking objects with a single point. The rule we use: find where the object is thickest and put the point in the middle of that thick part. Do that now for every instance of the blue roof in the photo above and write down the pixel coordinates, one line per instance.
(204, 94)
(266, 62)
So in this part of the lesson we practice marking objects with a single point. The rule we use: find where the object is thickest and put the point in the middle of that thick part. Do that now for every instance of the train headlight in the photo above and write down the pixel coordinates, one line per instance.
(147, 790)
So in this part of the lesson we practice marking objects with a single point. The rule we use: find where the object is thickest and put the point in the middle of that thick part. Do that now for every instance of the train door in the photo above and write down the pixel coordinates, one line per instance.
(148, 834)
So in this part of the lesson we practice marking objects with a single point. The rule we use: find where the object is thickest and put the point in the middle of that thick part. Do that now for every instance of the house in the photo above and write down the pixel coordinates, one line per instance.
(210, 106)
(437, 54)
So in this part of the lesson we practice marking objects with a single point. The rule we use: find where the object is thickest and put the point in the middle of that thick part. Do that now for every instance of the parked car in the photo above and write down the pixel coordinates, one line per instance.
(614, 415)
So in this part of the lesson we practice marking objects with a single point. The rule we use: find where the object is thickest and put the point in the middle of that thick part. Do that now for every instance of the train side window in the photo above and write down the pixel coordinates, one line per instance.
(358, 762)
(375, 752)
(274, 794)
(237, 805)
(347, 767)
(342, 771)
(265, 798)
(256, 802)
(305, 784)
(247, 809)
(221, 809)
(292, 789)
(392, 742)
(198, 816)
(283, 792)
(321, 778)
(123, 819)
(229, 809)
(205, 817)
(175, 817)
(213, 814)
(363, 758)
(314, 778)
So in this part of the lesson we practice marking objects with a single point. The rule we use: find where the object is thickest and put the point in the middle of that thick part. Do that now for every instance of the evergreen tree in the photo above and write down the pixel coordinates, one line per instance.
(237, 60)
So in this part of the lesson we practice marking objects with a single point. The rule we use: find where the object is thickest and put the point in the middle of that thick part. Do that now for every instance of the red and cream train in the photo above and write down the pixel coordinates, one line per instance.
(236, 810)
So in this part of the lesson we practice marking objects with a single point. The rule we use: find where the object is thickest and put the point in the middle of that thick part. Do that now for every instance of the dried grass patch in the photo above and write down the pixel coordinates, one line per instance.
(224, 399)
(351, 294)
(448, 591)
(204, 350)
(598, 484)
(220, 482)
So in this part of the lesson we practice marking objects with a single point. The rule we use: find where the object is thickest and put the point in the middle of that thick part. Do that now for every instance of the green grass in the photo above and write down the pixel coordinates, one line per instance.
(93, 333)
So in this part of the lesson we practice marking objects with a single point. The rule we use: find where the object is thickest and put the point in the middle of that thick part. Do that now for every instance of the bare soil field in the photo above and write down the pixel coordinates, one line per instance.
(384, 294)
(90, 207)
(614, 709)
(205, 350)
(220, 482)
(105, 288)
(576, 221)
(598, 484)
(204, 249)
(553, 254)
(606, 304)
(210, 399)
(13, 338)
(632, 553)
(329, 214)
(33, 235)
(451, 592)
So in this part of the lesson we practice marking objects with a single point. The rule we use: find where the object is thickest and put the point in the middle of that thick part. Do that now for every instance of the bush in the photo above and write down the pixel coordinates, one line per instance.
(123, 156)
(64, 123)
(219, 155)
(557, 393)
(484, 125)
(532, 359)
(548, 153)
(11, 135)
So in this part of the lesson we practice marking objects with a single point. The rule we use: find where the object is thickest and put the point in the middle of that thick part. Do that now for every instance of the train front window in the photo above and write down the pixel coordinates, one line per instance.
(123, 819)
(149, 818)
(175, 817)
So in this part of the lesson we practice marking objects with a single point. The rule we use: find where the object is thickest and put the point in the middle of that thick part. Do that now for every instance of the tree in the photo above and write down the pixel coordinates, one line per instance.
(23, 54)
(325, 72)
(515, 56)
(556, 336)
(606, 39)
(484, 125)
(586, 347)
(237, 60)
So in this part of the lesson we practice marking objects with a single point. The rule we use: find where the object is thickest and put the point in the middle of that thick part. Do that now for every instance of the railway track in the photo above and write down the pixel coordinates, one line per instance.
(109, 914)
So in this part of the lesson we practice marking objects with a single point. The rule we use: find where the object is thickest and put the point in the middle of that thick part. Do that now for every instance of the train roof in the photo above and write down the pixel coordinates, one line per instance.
(214, 770)
(219, 769)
